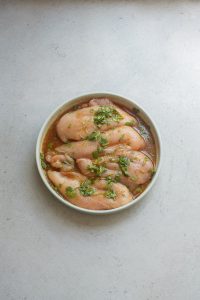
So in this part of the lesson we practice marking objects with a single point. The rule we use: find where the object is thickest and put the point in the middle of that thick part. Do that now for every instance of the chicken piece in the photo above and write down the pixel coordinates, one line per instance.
(116, 136)
(84, 165)
(60, 161)
(77, 125)
(116, 150)
(98, 200)
(64, 179)
(139, 170)
(78, 149)
(125, 135)
(100, 101)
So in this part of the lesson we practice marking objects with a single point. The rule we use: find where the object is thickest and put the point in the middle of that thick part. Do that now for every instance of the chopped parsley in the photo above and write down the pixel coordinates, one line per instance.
(96, 136)
(124, 162)
(131, 123)
(145, 160)
(138, 190)
(134, 178)
(110, 194)
(96, 169)
(103, 142)
(153, 171)
(42, 161)
(106, 114)
(97, 152)
(98, 161)
(86, 189)
(117, 178)
(110, 179)
(50, 146)
(70, 192)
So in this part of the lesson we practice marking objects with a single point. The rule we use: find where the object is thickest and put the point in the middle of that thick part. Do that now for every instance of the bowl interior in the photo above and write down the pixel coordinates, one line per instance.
(118, 100)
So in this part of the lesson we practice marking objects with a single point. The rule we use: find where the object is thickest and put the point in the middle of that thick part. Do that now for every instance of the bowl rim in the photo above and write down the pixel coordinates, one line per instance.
(66, 202)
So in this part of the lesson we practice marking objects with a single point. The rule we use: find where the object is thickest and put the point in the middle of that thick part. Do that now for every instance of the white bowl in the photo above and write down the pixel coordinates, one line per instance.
(117, 99)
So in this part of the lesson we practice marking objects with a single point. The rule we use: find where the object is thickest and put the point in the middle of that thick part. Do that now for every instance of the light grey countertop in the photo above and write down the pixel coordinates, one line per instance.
(51, 51)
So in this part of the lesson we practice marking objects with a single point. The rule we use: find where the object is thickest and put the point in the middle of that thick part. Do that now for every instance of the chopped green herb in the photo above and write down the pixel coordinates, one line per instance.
(110, 179)
(97, 170)
(134, 178)
(86, 189)
(98, 161)
(94, 136)
(138, 190)
(70, 192)
(153, 172)
(42, 160)
(117, 178)
(131, 123)
(106, 114)
(103, 141)
(92, 180)
(145, 160)
(110, 194)
(96, 153)
(50, 146)
(124, 162)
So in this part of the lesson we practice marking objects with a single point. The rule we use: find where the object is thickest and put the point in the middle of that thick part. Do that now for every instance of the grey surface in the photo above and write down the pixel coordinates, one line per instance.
(52, 51)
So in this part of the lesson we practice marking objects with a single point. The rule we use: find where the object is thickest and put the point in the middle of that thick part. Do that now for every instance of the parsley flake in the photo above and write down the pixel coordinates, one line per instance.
(106, 114)
(110, 194)
(96, 169)
(124, 162)
(86, 189)
(70, 192)
(42, 161)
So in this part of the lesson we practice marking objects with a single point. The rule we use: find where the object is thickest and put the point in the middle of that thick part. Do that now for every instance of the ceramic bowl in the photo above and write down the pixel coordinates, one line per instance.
(130, 104)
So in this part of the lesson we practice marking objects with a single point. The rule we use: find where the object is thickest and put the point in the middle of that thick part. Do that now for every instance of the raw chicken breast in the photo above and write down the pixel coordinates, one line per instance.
(78, 149)
(139, 170)
(64, 179)
(100, 101)
(97, 201)
(60, 161)
(77, 125)
(121, 135)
